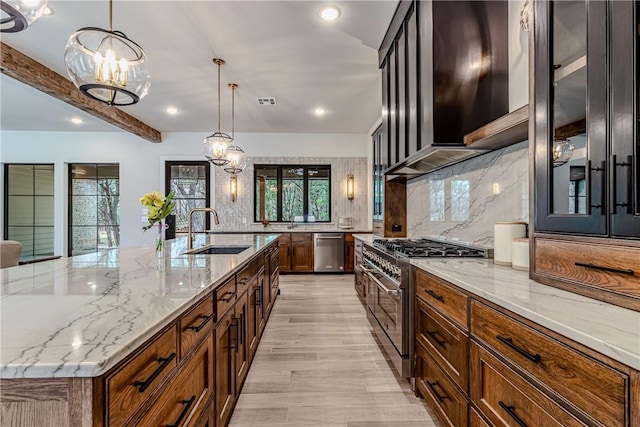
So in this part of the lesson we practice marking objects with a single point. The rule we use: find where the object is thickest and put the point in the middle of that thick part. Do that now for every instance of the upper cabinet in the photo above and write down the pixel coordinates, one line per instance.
(586, 170)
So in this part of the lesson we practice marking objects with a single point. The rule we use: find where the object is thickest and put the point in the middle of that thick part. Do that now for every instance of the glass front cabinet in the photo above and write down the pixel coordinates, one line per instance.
(586, 110)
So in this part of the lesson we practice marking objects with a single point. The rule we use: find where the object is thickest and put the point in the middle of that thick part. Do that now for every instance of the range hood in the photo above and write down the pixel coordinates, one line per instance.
(432, 158)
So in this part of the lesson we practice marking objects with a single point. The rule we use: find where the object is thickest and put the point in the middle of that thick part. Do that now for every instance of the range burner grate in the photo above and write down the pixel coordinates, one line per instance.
(417, 248)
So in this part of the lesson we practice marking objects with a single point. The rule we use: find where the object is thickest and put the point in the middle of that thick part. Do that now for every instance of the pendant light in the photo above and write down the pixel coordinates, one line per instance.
(215, 145)
(106, 65)
(17, 15)
(235, 154)
(562, 151)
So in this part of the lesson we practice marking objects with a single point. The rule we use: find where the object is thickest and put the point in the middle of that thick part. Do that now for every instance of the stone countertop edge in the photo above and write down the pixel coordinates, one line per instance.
(606, 328)
(75, 334)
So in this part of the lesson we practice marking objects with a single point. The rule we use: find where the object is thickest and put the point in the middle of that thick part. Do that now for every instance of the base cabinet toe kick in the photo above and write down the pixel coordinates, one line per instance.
(188, 374)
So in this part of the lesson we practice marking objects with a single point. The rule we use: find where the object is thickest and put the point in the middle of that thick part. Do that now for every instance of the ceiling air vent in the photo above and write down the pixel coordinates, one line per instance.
(266, 101)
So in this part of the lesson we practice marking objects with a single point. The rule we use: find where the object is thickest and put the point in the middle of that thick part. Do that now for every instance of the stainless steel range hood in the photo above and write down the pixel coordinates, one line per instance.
(433, 158)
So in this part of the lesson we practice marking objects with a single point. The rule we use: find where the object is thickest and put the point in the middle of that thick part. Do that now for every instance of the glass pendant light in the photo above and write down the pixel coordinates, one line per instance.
(235, 154)
(106, 65)
(215, 145)
(562, 151)
(17, 15)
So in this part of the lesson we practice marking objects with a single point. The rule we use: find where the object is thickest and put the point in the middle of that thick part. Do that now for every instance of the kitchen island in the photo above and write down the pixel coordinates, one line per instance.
(94, 319)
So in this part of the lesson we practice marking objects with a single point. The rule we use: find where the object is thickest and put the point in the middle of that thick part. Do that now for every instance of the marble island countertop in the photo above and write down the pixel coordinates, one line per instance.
(79, 316)
(611, 330)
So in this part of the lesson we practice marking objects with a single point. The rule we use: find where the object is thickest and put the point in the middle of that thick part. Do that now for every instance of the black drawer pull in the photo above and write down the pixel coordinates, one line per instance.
(511, 411)
(234, 335)
(205, 318)
(628, 272)
(440, 397)
(241, 329)
(231, 295)
(509, 342)
(434, 335)
(187, 404)
(258, 296)
(433, 294)
(164, 362)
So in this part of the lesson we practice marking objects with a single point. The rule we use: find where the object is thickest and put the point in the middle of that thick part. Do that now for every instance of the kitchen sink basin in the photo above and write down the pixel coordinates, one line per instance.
(220, 250)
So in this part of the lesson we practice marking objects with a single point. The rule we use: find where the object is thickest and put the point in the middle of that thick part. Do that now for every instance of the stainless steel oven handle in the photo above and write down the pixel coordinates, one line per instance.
(391, 292)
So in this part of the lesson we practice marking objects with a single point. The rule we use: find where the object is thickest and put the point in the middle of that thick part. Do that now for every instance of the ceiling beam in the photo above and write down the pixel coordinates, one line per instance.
(17, 65)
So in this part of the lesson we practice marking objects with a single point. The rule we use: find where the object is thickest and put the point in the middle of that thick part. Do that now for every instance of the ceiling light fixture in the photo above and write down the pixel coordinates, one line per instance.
(562, 151)
(319, 111)
(235, 154)
(76, 121)
(106, 65)
(329, 13)
(172, 110)
(215, 145)
(17, 15)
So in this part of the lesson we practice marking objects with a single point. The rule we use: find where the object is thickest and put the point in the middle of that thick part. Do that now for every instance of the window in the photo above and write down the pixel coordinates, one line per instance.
(28, 205)
(300, 193)
(190, 181)
(94, 207)
(577, 190)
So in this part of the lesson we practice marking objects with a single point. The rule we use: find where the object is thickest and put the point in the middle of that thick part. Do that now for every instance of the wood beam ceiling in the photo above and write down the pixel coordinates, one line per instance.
(17, 65)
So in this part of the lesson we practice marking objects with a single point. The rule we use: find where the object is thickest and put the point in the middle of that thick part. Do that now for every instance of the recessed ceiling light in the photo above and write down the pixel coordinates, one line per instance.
(172, 110)
(76, 121)
(329, 13)
(47, 10)
(319, 111)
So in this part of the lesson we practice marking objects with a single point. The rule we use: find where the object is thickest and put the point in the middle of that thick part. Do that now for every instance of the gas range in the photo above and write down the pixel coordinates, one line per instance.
(420, 248)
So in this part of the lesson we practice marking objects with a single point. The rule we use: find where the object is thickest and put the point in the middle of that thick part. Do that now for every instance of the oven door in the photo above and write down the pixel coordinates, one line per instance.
(386, 302)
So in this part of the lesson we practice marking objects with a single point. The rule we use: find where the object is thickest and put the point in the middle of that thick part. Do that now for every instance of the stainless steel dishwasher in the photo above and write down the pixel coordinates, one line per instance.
(328, 252)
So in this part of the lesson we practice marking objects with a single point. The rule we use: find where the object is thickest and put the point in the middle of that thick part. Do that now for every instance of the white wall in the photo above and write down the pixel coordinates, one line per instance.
(141, 163)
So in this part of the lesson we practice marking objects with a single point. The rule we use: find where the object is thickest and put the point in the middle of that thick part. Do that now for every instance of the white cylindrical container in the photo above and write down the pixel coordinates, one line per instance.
(520, 254)
(504, 233)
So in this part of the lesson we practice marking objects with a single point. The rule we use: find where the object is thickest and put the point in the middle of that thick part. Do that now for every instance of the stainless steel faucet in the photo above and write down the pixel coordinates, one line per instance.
(191, 232)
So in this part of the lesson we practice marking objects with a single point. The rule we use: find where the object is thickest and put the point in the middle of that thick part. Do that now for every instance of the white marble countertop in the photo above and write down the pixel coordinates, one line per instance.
(79, 316)
(611, 330)
(282, 228)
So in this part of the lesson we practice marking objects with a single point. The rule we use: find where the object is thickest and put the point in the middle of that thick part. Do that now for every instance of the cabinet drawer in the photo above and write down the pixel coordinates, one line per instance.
(476, 420)
(559, 258)
(243, 278)
(443, 397)
(302, 237)
(451, 302)
(187, 396)
(134, 382)
(444, 342)
(593, 387)
(196, 324)
(225, 297)
(505, 398)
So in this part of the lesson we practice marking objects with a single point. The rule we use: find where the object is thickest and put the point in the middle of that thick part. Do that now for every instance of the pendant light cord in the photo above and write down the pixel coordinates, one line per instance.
(233, 112)
(218, 96)
(110, 15)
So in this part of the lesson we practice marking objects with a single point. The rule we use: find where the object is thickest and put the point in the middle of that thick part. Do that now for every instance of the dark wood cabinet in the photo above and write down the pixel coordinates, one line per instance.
(256, 316)
(349, 256)
(241, 318)
(586, 178)
(226, 344)
(296, 252)
(285, 252)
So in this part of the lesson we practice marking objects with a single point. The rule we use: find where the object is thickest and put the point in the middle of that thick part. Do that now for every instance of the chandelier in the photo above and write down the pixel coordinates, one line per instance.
(235, 154)
(106, 65)
(215, 145)
(17, 15)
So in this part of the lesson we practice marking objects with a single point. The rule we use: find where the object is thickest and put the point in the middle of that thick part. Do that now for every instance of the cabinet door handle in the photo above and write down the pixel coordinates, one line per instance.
(434, 295)
(535, 358)
(258, 296)
(628, 272)
(231, 295)
(434, 335)
(234, 335)
(205, 318)
(440, 397)
(511, 411)
(614, 180)
(164, 362)
(243, 281)
(603, 202)
(187, 404)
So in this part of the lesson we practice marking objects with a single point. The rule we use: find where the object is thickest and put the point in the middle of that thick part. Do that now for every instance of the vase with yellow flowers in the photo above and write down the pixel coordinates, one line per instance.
(159, 207)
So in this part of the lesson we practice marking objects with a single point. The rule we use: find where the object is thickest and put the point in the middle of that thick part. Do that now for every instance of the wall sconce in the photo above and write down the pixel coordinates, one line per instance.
(350, 187)
(233, 187)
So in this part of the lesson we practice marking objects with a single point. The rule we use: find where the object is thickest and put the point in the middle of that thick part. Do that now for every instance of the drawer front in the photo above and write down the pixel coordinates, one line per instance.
(505, 398)
(187, 396)
(302, 237)
(444, 342)
(449, 301)
(476, 420)
(195, 325)
(597, 389)
(443, 397)
(574, 261)
(225, 297)
(243, 278)
(135, 381)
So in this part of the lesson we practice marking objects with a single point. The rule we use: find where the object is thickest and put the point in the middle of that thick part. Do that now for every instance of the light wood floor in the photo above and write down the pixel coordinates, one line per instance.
(318, 364)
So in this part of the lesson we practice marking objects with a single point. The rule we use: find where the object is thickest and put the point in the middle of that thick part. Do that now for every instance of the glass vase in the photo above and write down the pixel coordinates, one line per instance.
(160, 240)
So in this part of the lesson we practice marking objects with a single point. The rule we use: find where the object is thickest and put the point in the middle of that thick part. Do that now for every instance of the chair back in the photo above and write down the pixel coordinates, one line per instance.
(10, 251)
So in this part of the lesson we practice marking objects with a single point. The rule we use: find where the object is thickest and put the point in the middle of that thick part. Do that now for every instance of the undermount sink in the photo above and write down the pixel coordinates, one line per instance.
(220, 250)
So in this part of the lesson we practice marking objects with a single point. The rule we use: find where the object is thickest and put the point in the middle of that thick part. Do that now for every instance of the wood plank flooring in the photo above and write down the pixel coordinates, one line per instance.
(318, 364)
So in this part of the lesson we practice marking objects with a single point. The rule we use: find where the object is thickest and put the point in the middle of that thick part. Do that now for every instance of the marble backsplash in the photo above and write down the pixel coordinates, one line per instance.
(238, 215)
(464, 201)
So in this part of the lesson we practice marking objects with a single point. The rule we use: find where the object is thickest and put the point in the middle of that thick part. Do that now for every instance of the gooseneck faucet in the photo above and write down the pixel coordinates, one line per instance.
(191, 232)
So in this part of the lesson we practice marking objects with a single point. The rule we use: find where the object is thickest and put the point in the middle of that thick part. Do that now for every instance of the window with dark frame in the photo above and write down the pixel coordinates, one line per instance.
(28, 207)
(192, 184)
(292, 193)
